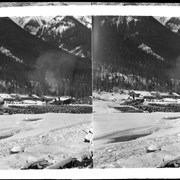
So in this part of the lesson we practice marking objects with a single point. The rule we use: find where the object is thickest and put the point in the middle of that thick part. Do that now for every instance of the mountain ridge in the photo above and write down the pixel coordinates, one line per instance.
(40, 59)
(69, 33)
(140, 48)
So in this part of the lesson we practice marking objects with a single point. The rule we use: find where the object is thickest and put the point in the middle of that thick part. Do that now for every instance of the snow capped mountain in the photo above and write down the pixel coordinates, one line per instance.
(172, 23)
(162, 19)
(25, 58)
(30, 23)
(69, 33)
(85, 20)
(41, 20)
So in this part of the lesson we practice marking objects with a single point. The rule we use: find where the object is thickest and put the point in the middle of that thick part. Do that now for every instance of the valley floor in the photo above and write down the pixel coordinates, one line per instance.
(123, 140)
(53, 136)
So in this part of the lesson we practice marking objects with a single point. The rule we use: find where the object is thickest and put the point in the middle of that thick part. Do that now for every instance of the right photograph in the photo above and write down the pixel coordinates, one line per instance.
(136, 91)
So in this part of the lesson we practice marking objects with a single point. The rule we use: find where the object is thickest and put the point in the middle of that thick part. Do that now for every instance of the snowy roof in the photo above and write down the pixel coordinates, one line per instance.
(4, 96)
(63, 98)
(163, 94)
(143, 93)
(49, 97)
(35, 96)
(175, 94)
(26, 96)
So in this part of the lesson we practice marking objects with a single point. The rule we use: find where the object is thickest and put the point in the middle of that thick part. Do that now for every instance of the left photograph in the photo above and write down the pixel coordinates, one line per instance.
(45, 92)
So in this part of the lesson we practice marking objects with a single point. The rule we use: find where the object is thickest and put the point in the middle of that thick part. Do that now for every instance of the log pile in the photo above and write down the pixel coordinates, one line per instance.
(46, 109)
(157, 108)
(128, 109)
(153, 107)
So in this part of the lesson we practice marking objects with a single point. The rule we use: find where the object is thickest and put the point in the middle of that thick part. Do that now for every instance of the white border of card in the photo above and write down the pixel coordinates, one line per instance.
(91, 10)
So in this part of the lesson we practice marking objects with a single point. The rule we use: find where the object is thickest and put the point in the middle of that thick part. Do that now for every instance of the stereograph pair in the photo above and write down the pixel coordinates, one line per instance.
(89, 92)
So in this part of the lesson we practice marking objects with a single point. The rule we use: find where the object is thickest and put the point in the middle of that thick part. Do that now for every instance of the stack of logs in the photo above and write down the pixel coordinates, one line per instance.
(45, 109)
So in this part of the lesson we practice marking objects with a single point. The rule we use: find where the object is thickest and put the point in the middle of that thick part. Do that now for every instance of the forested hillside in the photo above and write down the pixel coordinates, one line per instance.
(31, 65)
(135, 53)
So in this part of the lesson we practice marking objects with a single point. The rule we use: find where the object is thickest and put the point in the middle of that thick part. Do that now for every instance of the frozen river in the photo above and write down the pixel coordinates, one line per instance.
(120, 127)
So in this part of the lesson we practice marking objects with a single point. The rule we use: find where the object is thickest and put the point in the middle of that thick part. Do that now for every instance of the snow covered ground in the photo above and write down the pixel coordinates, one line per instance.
(124, 95)
(121, 139)
(56, 134)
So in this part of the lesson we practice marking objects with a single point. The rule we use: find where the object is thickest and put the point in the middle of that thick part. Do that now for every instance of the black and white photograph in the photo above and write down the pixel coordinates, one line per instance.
(136, 91)
(86, 87)
(45, 92)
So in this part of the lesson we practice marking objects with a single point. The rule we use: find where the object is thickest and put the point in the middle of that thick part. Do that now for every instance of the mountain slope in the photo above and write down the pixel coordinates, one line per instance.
(29, 23)
(134, 52)
(172, 23)
(40, 65)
